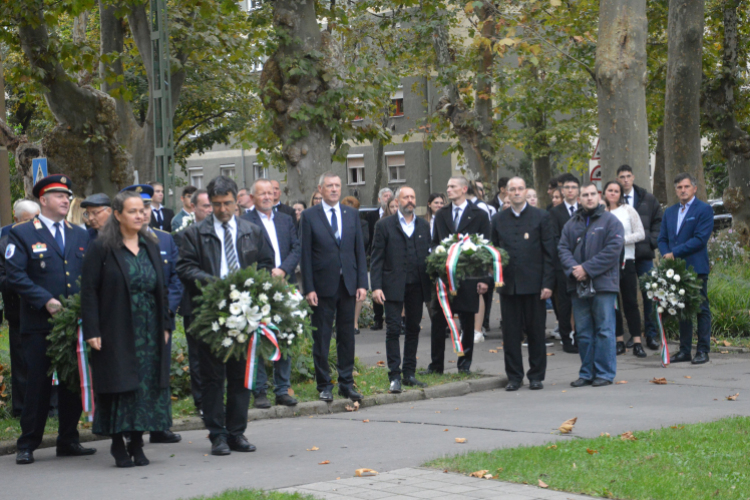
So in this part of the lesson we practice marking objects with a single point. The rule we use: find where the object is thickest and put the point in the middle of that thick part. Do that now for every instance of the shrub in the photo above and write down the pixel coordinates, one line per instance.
(724, 248)
(729, 296)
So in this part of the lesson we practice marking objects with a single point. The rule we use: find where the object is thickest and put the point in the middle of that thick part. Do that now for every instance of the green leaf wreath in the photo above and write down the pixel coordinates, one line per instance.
(231, 310)
(474, 260)
(674, 288)
(62, 342)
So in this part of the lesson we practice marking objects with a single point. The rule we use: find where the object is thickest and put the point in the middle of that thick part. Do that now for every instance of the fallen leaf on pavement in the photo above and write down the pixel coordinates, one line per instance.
(365, 472)
(727, 343)
(621, 382)
(724, 352)
(553, 447)
(314, 448)
(479, 473)
(604, 434)
(628, 436)
(550, 354)
(676, 427)
(568, 425)
(493, 351)
(460, 440)
(446, 430)
(451, 361)
(590, 451)
(565, 391)
(659, 381)
(380, 363)
(353, 407)
(324, 462)
(733, 398)
(688, 376)
(542, 484)
(366, 421)
(488, 476)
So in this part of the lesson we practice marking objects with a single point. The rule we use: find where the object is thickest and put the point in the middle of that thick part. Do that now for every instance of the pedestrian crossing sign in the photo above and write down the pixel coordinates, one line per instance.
(39, 169)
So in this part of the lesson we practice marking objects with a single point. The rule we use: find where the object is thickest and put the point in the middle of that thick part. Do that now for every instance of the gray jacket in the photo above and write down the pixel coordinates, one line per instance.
(603, 246)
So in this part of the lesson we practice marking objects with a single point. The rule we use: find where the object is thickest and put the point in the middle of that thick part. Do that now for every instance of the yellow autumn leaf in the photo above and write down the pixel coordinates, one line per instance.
(479, 473)
(567, 426)
(555, 3)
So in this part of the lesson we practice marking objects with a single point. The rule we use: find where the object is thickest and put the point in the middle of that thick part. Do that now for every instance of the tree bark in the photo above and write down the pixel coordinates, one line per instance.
(542, 174)
(660, 180)
(621, 84)
(682, 134)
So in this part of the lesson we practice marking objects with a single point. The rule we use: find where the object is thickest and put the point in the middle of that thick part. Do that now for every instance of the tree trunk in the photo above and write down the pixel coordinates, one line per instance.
(621, 88)
(380, 173)
(660, 179)
(682, 133)
(542, 174)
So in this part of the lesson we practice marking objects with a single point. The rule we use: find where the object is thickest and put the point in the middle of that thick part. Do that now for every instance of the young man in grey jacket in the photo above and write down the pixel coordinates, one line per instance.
(589, 249)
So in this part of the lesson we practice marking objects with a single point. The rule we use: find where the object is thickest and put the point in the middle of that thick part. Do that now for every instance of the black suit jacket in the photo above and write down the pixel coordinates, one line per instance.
(285, 209)
(286, 237)
(372, 217)
(530, 243)
(168, 214)
(651, 214)
(388, 261)
(324, 261)
(559, 216)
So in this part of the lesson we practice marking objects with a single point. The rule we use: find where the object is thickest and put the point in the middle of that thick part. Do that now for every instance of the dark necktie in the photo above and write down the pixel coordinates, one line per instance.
(572, 210)
(335, 226)
(456, 218)
(627, 199)
(158, 218)
(58, 236)
(232, 263)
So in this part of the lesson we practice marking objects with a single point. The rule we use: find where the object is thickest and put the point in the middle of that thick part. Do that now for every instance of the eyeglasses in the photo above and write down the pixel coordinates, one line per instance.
(94, 213)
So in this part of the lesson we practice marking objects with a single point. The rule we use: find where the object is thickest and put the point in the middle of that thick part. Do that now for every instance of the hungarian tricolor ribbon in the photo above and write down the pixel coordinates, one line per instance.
(497, 264)
(84, 375)
(442, 295)
(264, 330)
(454, 252)
(664, 347)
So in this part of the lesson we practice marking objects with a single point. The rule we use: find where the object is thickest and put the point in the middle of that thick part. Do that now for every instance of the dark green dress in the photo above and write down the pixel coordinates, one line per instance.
(148, 408)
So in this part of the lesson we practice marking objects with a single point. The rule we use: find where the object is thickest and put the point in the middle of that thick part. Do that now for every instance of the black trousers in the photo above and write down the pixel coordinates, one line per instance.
(521, 313)
(628, 301)
(37, 402)
(193, 346)
(18, 369)
(437, 334)
(488, 295)
(564, 307)
(412, 305)
(377, 310)
(214, 374)
(341, 307)
(704, 325)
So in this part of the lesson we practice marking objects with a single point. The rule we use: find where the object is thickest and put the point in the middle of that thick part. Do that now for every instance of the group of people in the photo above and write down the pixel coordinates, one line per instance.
(134, 277)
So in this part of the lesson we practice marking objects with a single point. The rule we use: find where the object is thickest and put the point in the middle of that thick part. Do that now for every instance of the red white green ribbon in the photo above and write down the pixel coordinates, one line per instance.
(497, 264)
(664, 348)
(84, 374)
(454, 252)
(252, 351)
(55, 380)
(442, 295)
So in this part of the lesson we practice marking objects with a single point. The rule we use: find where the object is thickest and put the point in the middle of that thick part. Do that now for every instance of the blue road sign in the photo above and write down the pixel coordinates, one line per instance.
(39, 168)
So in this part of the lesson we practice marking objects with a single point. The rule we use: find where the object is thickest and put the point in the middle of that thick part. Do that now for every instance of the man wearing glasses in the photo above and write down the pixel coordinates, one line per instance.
(98, 209)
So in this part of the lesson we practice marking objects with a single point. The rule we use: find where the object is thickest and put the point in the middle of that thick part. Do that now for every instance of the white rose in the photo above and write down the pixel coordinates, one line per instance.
(670, 273)
(682, 291)
(677, 278)
(672, 287)
(278, 296)
(653, 274)
(263, 298)
(289, 342)
(234, 294)
(654, 286)
(249, 282)
(241, 338)
(440, 249)
(246, 299)
(241, 323)
(265, 310)
(267, 285)
(291, 336)
(300, 329)
(660, 309)
(650, 294)
(277, 319)
(681, 305)
(231, 322)
(233, 333)
(672, 311)
(222, 320)
(222, 304)
(235, 308)
(232, 287)
(227, 342)
(215, 326)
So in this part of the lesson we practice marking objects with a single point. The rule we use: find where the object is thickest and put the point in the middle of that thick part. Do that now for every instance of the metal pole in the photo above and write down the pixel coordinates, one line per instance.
(6, 206)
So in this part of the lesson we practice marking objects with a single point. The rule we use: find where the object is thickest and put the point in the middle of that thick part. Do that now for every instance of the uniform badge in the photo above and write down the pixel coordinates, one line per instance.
(63, 180)
(37, 224)
(526, 236)
(9, 251)
(43, 264)
(39, 247)
(139, 189)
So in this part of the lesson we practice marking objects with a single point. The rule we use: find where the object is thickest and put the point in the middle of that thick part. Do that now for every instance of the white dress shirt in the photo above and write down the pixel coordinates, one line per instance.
(271, 230)
(518, 214)
(51, 226)
(489, 209)
(220, 233)
(408, 227)
(461, 208)
(499, 202)
(567, 207)
(630, 200)
(327, 209)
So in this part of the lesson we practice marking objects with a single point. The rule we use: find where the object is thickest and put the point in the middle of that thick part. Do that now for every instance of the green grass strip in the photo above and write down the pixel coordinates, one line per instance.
(256, 495)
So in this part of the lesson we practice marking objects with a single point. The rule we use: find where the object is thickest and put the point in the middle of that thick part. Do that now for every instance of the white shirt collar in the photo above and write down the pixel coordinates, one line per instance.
(402, 219)
(461, 206)
(380, 212)
(264, 216)
(568, 205)
(687, 205)
(327, 207)
(518, 214)
(232, 224)
(499, 201)
(50, 223)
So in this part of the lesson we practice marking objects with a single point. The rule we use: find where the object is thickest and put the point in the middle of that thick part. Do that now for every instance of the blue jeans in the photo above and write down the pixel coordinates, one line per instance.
(595, 335)
(282, 373)
(649, 326)
(704, 325)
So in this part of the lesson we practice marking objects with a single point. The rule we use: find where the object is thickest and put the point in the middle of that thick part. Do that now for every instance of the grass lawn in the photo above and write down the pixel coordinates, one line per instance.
(690, 462)
(255, 495)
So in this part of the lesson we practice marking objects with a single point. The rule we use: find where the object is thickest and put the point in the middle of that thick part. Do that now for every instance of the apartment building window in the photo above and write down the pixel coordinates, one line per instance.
(397, 102)
(253, 5)
(396, 162)
(355, 167)
(259, 172)
(227, 170)
(196, 177)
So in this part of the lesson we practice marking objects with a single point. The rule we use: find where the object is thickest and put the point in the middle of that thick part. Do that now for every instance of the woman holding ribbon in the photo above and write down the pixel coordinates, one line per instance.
(124, 312)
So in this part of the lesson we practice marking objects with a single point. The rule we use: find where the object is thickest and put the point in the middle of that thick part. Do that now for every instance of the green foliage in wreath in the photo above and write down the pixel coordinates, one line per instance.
(62, 342)
(474, 261)
(674, 288)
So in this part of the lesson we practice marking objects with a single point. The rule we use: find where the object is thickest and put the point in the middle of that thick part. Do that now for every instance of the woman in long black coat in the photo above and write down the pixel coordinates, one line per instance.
(124, 312)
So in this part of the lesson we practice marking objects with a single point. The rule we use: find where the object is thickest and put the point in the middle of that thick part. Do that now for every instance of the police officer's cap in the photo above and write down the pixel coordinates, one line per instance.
(55, 183)
(144, 190)
(96, 200)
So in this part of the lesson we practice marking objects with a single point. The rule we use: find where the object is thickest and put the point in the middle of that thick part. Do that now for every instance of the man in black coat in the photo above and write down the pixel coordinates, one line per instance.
(459, 216)
(526, 233)
(649, 209)
(161, 216)
(219, 245)
(372, 217)
(560, 216)
(281, 234)
(334, 277)
(398, 270)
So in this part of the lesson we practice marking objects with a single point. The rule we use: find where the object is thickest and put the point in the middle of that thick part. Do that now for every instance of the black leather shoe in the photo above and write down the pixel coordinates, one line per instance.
(630, 343)
(326, 395)
(652, 344)
(581, 382)
(638, 350)
(74, 450)
(570, 349)
(430, 371)
(512, 386)
(350, 393)
(356, 331)
(286, 400)
(680, 357)
(240, 443)
(377, 326)
(135, 451)
(536, 385)
(164, 437)
(395, 387)
(219, 446)
(600, 382)
(24, 457)
(700, 358)
(620, 347)
(411, 380)
(261, 401)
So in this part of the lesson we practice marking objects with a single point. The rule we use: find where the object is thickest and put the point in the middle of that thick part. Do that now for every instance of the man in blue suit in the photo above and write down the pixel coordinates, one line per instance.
(43, 260)
(334, 277)
(684, 234)
(281, 235)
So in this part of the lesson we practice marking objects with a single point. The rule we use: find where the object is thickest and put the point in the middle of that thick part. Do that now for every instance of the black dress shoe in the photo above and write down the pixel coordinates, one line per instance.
(356, 331)
(164, 437)
(74, 450)
(326, 395)
(630, 343)
(261, 401)
(240, 443)
(680, 357)
(395, 387)
(219, 446)
(430, 371)
(512, 386)
(135, 451)
(700, 358)
(652, 344)
(620, 347)
(465, 371)
(24, 457)
(638, 350)
(581, 382)
(536, 385)
(350, 393)
(377, 326)
(600, 382)
(570, 349)
(411, 380)
(285, 400)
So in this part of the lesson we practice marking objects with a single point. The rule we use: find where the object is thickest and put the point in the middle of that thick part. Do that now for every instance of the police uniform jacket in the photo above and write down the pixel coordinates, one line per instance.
(168, 258)
(38, 270)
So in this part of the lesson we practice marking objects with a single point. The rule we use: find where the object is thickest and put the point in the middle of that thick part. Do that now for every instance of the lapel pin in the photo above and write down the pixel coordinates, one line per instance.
(43, 264)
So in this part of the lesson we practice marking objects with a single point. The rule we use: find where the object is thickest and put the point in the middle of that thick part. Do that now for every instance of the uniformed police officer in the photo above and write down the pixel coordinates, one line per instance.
(43, 262)
(169, 256)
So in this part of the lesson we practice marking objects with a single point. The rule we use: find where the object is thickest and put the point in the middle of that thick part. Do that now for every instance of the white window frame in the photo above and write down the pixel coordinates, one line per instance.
(401, 169)
(263, 171)
(196, 177)
(349, 169)
(228, 166)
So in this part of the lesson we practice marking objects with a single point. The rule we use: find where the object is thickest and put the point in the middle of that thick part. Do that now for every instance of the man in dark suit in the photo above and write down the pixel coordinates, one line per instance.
(526, 233)
(372, 217)
(43, 261)
(560, 216)
(161, 216)
(502, 192)
(211, 249)
(334, 277)
(277, 205)
(400, 281)
(685, 231)
(281, 234)
(459, 216)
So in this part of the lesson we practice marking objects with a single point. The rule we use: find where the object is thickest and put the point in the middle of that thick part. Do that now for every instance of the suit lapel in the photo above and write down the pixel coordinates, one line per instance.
(120, 259)
(324, 218)
(466, 217)
(48, 237)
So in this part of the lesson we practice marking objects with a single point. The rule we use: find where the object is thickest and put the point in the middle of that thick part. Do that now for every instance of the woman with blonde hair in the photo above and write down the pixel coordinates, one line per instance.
(75, 213)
